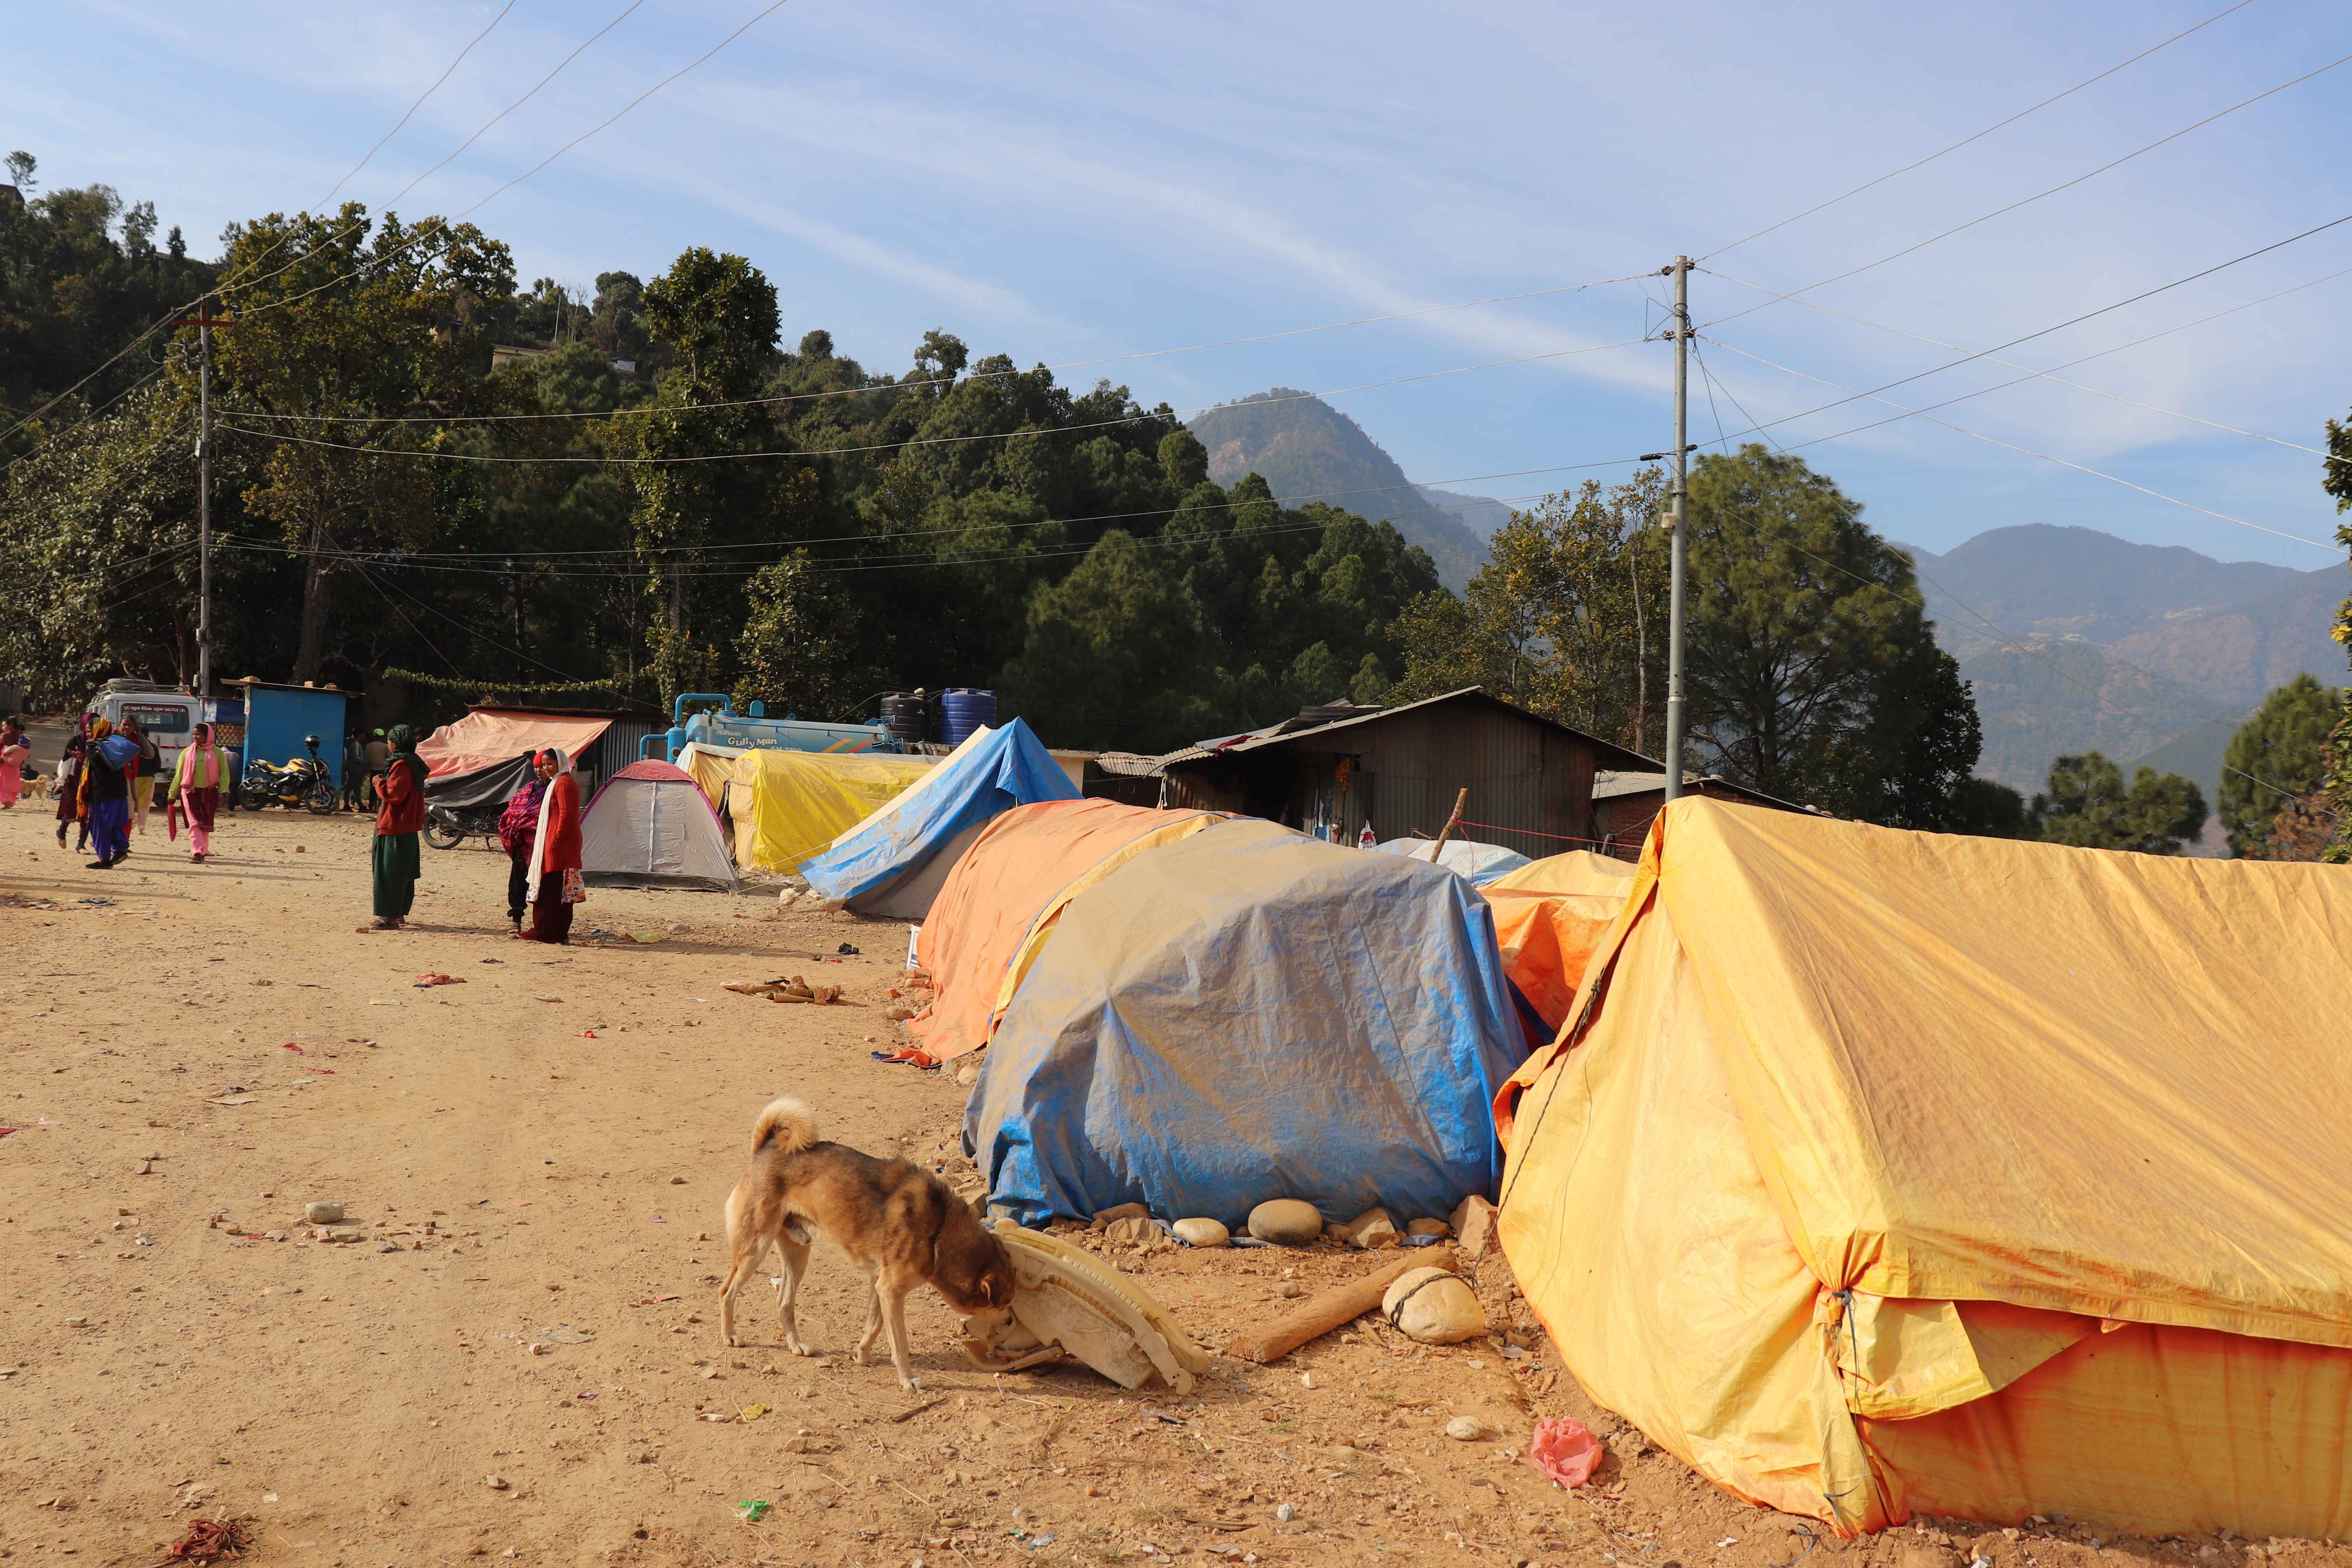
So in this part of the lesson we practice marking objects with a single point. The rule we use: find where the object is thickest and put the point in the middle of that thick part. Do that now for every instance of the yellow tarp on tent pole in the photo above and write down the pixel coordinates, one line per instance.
(1881, 1173)
(787, 806)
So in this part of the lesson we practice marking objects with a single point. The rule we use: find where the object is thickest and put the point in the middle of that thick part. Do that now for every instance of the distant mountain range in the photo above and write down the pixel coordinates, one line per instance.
(2149, 652)
(1309, 451)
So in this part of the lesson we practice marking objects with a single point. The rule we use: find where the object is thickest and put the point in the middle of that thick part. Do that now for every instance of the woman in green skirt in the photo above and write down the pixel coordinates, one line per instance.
(396, 827)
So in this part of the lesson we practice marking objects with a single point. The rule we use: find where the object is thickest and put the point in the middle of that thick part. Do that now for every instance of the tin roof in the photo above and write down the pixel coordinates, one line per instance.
(1293, 728)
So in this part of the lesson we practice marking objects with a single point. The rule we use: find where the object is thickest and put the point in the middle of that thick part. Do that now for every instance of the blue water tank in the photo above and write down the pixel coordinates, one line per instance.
(964, 710)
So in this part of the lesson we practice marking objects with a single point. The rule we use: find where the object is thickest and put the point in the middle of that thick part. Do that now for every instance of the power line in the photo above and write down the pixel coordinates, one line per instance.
(1997, 125)
(643, 410)
(1903, 413)
(2045, 332)
(429, 92)
(1139, 417)
(1997, 630)
(2051, 375)
(2029, 201)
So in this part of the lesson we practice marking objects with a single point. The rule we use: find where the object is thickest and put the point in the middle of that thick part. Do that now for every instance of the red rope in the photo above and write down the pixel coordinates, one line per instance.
(1563, 837)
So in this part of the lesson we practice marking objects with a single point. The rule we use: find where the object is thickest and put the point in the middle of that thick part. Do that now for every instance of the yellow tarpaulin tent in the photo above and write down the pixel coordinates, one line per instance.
(1881, 1172)
(787, 806)
(1550, 915)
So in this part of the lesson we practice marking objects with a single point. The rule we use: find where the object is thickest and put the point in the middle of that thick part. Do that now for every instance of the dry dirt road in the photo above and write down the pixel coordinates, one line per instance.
(520, 1358)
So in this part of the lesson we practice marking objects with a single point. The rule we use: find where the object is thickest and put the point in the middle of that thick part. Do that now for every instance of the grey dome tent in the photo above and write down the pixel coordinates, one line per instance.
(650, 826)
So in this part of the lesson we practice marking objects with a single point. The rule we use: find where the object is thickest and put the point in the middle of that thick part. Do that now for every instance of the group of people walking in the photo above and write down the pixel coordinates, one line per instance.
(106, 786)
(539, 830)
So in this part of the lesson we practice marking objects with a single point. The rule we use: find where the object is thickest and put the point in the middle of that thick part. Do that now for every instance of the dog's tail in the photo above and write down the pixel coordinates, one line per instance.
(786, 1124)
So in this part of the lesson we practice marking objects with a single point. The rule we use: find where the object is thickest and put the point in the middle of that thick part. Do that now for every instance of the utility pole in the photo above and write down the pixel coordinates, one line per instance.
(204, 320)
(1677, 542)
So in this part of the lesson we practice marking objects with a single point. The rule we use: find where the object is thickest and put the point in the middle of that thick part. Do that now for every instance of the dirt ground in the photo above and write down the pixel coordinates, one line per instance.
(520, 1358)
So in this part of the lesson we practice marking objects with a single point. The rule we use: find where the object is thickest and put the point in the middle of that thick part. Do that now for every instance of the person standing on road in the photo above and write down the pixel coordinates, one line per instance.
(68, 786)
(354, 770)
(14, 750)
(142, 782)
(398, 866)
(195, 790)
(555, 884)
(518, 837)
(110, 764)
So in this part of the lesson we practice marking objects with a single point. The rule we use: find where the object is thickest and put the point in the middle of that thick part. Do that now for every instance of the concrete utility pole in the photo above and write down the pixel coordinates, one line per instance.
(1677, 541)
(204, 320)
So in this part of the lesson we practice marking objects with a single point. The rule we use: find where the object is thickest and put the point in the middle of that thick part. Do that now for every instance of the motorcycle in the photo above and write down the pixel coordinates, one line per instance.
(447, 827)
(304, 782)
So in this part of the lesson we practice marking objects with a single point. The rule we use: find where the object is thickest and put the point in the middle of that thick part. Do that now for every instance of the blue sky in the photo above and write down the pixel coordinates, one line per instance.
(1070, 182)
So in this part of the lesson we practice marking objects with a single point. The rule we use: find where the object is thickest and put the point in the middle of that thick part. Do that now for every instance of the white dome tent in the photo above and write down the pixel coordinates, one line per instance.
(651, 826)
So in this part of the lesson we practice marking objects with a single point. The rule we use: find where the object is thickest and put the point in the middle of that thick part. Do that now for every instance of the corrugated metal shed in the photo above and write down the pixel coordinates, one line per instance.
(1398, 769)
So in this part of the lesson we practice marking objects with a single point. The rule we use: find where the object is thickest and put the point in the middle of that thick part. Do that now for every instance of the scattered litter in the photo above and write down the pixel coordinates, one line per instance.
(585, 1034)
(908, 1055)
(103, 903)
(295, 1049)
(209, 1541)
(424, 980)
(714, 1415)
(496, 1483)
(1565, 1450)
(565, 1334)
(544, 997)
(584, 1394)
(1039, 1543)
(847, 950)
(753, 1412)
(322, 1072)
(1067, 1301)
(754, 1510)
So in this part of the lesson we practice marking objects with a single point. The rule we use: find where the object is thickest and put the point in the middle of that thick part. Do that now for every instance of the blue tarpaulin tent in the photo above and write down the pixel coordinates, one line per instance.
(1477, 863)
(1249, 1013)
(894, 862)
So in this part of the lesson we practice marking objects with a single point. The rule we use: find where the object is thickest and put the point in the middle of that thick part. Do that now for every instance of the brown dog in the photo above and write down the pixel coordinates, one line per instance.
(896, 1221)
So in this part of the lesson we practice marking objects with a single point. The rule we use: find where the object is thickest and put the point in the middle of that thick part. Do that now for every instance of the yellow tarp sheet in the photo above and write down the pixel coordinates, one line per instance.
(1550, 916)
(1894, 1172)
(787, 806)
(709, 767)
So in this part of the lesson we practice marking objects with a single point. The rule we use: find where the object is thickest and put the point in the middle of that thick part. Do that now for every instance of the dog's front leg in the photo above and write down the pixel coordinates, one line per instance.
(897, 1305)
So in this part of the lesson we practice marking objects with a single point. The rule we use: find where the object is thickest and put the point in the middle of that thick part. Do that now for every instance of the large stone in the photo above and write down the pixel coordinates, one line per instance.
(1135, 1230)
(1468, 1429)
(1434, 1307)
(1121, 1211)
(1474, 1225)
(1292, 1222)
(1202, 1232)
(1426, 1226)
(322, 1213)
(1371, 1229)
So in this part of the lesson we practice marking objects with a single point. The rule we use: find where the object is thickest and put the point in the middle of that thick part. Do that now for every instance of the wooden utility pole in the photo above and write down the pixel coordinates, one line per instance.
(1677, 546)
(204, 320)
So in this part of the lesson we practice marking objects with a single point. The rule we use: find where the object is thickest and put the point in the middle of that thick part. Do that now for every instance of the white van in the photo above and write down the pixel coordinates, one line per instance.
(168, 717)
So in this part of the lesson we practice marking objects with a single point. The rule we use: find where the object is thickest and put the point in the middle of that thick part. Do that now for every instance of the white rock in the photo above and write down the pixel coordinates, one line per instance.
(1292, 1222)
(1202, 1232)
(322, 1213)
(1371, 1229)
(1468, 1429)
(1433, 1306)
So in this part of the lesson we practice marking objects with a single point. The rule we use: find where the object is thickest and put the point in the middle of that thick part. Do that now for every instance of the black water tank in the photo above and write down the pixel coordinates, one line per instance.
(907, 716)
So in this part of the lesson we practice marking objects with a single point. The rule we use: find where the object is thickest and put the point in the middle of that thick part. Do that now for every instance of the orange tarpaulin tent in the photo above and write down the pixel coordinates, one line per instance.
(1883, 1173)
(1000, 904)
(1550, 915)
(487, 739)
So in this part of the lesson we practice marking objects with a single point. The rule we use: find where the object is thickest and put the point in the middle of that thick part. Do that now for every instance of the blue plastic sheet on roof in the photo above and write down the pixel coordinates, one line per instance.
(1478, 863)
(1007, 767)
(1244, 1015)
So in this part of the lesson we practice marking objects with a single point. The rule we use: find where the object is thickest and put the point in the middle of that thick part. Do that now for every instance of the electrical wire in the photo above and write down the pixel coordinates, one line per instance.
(2045, 332)
(421, 97)
(1903, 413)
(2051, 375)
(1998, 631)
(642, 410)
(1997, 125)
(2069, 184)
(1139, 417)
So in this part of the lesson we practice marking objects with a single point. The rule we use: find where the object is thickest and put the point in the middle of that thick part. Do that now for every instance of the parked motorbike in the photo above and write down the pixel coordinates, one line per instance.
(303, 781)
(446, 828)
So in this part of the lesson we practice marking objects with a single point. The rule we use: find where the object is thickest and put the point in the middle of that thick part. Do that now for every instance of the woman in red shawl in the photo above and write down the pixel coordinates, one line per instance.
(555, 883)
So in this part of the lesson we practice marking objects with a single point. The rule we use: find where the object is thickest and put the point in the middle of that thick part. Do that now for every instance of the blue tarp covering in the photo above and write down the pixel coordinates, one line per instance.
(994, 773)
(1248, 1014)
(1479, 864)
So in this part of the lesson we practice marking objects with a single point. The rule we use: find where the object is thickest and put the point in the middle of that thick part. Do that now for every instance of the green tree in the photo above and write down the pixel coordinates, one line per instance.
(1118, 649)
(2274, 757)
(373, 325)
(2089, 805)
(1811, 670)
(717, 316)
(1989, 810)
(799, 651)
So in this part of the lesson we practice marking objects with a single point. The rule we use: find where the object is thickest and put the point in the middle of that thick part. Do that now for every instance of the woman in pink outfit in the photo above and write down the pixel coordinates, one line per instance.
(195, 790)
(14, 750)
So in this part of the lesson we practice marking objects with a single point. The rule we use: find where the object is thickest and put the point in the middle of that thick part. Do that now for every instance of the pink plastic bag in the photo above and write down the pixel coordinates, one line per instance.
(1566, 1450)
